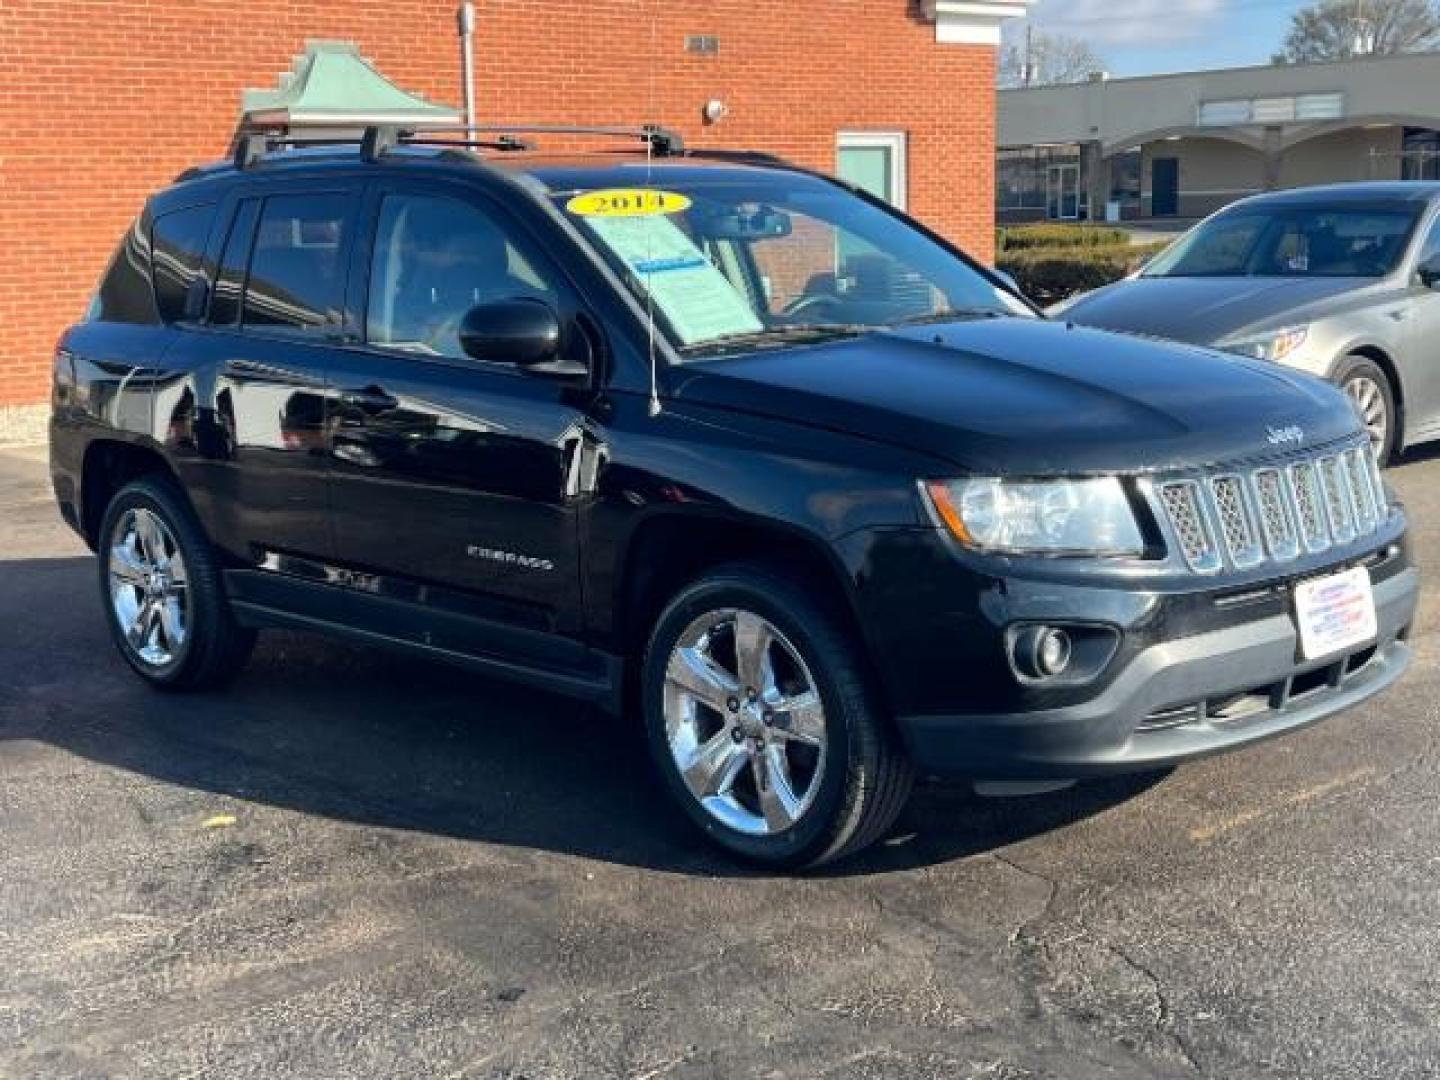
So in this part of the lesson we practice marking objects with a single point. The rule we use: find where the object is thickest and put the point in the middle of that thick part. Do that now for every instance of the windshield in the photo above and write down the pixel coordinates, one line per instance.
(733, 263)
(1291, 241)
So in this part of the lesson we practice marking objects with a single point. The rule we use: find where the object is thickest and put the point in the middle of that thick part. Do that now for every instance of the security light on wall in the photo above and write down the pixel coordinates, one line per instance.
(715, 110)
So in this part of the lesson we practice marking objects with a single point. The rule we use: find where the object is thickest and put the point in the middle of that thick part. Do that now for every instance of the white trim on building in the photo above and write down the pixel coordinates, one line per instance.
(973, 22)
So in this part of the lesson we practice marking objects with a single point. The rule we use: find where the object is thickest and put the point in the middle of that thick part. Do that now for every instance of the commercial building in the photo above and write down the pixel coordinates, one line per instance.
(101, 103)
(1184, 145)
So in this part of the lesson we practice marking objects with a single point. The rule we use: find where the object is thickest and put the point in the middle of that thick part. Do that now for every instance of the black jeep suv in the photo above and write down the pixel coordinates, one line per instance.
(724, 439)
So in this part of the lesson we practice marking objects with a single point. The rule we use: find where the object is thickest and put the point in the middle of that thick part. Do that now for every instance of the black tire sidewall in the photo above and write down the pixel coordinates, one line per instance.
(794, 615)
(152, 496)
(1360, 365)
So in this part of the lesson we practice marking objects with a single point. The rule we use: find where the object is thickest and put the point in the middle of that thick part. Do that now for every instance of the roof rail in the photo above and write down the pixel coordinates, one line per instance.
(661, 140)
(744, 157)
(378, 139)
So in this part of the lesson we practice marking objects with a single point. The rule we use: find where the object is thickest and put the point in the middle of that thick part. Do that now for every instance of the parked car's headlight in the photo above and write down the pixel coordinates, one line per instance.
(1039, 517)
(1275, 345)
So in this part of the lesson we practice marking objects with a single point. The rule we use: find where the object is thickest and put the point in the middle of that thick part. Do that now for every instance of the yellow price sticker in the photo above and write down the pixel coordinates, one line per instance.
(628, 202)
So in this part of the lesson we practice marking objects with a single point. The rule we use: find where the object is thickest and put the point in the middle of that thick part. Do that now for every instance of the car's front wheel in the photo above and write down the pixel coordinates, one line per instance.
(1374, 399)
(163, 596)
(762, 722)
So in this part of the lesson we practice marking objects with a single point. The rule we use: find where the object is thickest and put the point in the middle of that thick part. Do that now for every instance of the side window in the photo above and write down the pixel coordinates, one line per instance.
(230, 279)
(177, 249)
(434, 259)
(297, 270)
(125, 295)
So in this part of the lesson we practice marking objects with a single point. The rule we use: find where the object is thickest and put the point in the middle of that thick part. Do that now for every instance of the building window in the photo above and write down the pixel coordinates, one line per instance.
(1125, 177)
(875, 162)
(1420, 155)
(1027, 177)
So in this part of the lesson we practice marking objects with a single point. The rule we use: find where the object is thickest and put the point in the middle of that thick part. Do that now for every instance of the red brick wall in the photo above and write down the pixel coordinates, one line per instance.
(102, 101)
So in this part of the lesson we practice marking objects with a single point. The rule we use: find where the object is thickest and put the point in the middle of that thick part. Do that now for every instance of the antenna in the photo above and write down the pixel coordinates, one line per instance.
(650, 301)
(650, 235)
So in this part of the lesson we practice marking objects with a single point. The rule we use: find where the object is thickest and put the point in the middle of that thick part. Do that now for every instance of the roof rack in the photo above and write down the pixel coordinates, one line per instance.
(378, 139)
(662, 141)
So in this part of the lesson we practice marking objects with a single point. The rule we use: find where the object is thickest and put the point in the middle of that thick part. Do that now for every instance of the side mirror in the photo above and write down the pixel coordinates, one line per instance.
(522, 330)
(1429, 272)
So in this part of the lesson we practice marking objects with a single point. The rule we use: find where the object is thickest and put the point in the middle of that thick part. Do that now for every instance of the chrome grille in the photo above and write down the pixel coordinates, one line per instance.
(1241, 519)
(1242, 540)
(1182, 505)
(1357, 474)
(1307, 498)
(1337, 500)
(1282, 539)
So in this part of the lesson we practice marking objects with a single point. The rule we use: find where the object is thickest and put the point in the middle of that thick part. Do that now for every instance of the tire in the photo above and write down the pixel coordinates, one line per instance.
(814, 724)
(1369, 389)
(162, 592)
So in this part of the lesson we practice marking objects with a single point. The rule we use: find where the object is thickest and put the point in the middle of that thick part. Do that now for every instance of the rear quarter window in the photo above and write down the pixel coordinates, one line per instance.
(125, 295)
(177, 256)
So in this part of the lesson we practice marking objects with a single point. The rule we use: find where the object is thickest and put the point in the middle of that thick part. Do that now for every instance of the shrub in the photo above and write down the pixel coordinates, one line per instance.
(1048, 275)
(1028, 237)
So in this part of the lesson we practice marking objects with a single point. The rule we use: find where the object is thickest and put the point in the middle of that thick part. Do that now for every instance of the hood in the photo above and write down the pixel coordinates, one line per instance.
(1203, 310)
(1030, 396)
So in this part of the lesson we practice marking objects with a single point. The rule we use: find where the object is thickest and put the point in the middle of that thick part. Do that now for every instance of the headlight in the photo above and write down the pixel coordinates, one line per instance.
(1040, 517)
(1275, 346)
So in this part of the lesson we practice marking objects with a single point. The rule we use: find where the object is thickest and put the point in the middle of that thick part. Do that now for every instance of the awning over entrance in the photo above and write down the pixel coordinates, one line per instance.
(332, 87)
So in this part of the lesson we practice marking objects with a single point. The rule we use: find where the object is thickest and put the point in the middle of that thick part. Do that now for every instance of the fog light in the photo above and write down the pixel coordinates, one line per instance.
(1041, 652)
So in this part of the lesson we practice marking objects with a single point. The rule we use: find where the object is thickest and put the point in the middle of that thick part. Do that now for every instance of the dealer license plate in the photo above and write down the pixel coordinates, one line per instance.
(1335, 613)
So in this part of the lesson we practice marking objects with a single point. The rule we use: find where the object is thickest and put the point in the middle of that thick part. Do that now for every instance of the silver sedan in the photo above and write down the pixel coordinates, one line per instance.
(1340, 281)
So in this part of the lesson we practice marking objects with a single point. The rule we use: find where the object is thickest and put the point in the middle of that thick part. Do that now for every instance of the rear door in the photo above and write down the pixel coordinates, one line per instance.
(259, 370)
(454, 481)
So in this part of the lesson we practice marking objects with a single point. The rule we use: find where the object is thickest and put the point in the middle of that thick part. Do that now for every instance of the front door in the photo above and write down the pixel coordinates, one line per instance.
(1164, 186)
(1062, 193)
(451, 479)
(1419, 365)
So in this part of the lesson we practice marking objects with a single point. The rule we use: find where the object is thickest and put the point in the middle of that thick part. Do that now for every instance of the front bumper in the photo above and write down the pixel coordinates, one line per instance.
(1175, 700)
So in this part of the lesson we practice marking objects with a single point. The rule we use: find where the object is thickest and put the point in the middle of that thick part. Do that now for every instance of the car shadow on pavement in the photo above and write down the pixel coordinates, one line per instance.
(383, 739)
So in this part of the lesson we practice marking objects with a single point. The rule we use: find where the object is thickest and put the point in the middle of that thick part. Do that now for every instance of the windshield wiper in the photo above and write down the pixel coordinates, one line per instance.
(778, 335)
(954, 315)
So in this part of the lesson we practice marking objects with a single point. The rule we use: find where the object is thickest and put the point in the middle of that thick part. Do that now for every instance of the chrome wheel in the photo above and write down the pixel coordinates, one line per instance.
(1369, 402)
(148, 587)
(744, 722)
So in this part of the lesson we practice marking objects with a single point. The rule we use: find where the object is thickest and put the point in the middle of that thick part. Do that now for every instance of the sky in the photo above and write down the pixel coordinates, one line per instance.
(1143, 37)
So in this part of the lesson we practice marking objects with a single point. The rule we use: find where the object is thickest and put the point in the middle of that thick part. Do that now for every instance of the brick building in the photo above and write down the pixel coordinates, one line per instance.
(102, 101)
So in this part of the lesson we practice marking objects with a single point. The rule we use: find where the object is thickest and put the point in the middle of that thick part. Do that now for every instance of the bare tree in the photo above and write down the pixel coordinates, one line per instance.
(1340, 29)
(1041, 59)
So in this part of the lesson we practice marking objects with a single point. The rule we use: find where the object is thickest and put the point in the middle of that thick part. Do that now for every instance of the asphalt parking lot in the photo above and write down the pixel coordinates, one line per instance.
(428, 874)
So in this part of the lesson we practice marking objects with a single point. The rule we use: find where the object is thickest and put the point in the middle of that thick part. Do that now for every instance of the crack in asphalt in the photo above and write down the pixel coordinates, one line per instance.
(1164, 1011)
(1024, 936)
(1053, 890)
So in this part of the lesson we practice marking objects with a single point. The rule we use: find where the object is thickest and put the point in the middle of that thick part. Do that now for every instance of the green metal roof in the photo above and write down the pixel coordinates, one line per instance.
(333, 85)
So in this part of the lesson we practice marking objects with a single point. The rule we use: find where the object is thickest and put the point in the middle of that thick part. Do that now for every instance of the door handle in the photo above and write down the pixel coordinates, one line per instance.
(369, 399)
